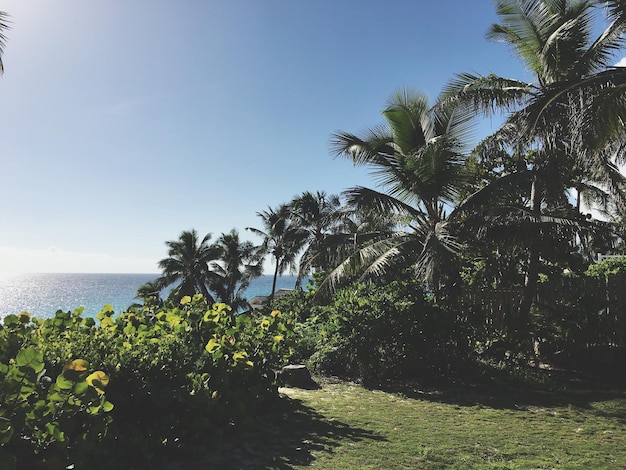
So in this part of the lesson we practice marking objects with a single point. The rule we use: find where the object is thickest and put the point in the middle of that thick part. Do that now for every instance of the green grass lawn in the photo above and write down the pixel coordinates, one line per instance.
(346, 426)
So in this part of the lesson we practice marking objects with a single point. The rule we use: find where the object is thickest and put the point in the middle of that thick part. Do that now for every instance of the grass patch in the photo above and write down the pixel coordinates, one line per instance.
(346, 426)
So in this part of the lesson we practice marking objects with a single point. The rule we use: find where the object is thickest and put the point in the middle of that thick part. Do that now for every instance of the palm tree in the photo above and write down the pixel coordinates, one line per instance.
(281, 239)
(318, 216)
(187, 265)
(4, 26)
(236, 265)
(418, 158)
(150, 293)
(570, 117)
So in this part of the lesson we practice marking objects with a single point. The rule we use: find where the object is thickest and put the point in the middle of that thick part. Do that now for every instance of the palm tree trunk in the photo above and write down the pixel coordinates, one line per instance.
(274, 280)
(522, 322)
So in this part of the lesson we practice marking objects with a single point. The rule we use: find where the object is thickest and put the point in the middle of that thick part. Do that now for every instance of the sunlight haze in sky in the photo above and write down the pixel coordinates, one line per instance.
(125, 122)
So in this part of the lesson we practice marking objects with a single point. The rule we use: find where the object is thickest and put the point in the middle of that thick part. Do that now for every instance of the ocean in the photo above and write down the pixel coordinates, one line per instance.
(42, 295)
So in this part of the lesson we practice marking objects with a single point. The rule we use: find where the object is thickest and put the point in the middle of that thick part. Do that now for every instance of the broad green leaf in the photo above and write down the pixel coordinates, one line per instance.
(129, 330)
(32, 358)
(106, 312)
(64, 383)
(107, 406)
(80, 388)
(78, 311)
(107, 309)
(51, 428)
(61, 315)
(10, 320)
(56, 397)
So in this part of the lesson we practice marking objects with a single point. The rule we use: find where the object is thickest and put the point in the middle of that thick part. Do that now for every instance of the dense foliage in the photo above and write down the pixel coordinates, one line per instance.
(175, 378)
(458, 254)
(376, 332)
(607, 267)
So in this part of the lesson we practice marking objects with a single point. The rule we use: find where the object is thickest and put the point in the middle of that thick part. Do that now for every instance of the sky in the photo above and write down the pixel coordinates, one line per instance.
(124, 123)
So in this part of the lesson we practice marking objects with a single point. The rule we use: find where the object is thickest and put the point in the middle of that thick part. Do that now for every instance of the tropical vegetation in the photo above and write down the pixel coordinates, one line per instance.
(466, 264)
(176, 378)
(282, 239)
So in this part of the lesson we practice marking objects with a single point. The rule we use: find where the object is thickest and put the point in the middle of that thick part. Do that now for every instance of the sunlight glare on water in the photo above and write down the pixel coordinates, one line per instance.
(43, 294)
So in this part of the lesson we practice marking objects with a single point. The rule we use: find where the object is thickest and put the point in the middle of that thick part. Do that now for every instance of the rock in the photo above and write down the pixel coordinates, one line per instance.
(298, 376)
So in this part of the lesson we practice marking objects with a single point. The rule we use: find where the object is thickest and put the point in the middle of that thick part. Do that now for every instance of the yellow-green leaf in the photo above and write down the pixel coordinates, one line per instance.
(79, 365)
(98, 380)
(212, 346)
(240, 355)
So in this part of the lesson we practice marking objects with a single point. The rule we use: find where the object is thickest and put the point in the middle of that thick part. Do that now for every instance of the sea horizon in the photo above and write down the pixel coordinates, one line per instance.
(43, 294)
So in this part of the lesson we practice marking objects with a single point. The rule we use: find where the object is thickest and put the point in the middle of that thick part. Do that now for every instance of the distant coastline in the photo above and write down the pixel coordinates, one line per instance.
(42, 294)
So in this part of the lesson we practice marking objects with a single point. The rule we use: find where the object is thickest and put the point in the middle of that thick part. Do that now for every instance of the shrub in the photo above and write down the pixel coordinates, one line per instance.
(179, 375)
(373, 332)
(45, 418)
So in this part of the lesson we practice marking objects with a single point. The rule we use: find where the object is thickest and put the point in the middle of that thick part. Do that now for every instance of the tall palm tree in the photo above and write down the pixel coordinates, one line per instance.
(282, 239)
(187, 265)
(318, 216)
(571, 116)
(418, 157)
(237, 263)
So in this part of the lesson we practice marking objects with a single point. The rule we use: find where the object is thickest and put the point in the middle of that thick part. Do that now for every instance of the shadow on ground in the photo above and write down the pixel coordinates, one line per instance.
(565, 390)
(287, 436)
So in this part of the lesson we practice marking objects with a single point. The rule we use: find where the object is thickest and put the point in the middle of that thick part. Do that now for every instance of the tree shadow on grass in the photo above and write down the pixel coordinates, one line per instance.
(562, 391)
(288, 435)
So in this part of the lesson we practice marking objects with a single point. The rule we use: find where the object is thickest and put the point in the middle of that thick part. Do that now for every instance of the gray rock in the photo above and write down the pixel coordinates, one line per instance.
(298, 376)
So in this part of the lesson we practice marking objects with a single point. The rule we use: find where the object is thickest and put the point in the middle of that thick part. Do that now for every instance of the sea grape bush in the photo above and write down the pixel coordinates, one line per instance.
(178, 375)
(45, 417)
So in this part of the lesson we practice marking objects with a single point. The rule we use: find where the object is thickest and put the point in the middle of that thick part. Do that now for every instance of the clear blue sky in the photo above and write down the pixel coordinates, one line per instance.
(125, 122)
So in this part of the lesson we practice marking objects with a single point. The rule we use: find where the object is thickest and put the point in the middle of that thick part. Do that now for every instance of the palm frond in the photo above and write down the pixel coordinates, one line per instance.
(488, 94)
(370, 199)
(4, 26)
